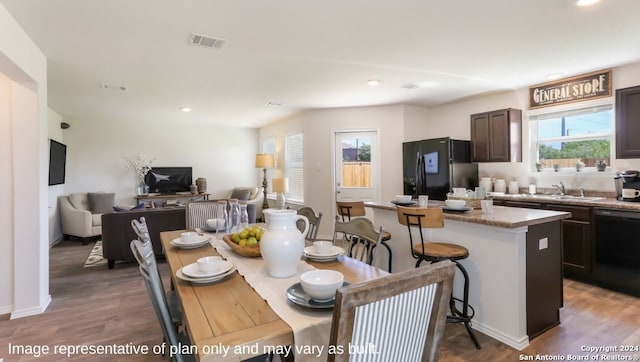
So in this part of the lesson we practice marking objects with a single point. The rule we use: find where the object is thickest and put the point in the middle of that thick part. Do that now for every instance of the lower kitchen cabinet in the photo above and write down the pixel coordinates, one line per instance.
(577, 239)
(577, 236)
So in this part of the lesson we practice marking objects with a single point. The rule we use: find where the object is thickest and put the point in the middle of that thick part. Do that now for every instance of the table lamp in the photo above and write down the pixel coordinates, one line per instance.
(264, 161)
(280, 185)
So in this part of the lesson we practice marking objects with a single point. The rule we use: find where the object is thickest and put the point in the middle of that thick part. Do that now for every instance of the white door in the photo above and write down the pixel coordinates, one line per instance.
(357, 165)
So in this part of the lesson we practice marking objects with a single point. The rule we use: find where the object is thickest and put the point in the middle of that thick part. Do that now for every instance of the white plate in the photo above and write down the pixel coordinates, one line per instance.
(207, 229)
(180, 275)
(190, 246)
(194, 271)
(199, 239)
(335, 251)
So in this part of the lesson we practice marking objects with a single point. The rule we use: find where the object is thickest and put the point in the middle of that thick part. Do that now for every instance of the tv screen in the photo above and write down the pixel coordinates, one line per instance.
(167, 180)
(57, 162)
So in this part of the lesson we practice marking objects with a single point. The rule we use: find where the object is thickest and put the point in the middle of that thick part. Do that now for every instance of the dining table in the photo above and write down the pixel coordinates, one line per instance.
(228, 320)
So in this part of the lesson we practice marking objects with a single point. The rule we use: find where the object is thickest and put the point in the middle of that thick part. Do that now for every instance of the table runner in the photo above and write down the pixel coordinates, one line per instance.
(311, 328)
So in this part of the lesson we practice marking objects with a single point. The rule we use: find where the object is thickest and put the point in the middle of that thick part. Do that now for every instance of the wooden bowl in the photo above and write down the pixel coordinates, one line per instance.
(248, 251)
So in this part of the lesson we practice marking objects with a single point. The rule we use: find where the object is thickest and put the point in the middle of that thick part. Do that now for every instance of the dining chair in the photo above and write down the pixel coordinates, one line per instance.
(360, 238)
(198, 212)
(143, 253)
(145, 249)
(401, 315)
(419, 219)
(355, 209)
(314, 222)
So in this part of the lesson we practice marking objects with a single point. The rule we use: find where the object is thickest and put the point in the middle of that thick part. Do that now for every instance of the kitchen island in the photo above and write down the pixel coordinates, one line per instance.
(514, 265)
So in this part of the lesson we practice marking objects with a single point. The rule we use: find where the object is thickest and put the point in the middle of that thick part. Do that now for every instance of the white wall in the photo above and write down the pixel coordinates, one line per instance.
(55, 191)
(96, 150)
(318, 127)
(24, 204)
(453, 120)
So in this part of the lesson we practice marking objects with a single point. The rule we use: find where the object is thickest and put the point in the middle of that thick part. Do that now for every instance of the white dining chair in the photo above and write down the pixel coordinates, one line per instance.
(314, 222)
(198, 212)
(360, 238)
(166, 305)
(402, 316)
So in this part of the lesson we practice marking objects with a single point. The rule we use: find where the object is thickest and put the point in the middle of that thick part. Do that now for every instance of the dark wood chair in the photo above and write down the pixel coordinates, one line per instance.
(355, 209)
(420, 218)
(314, 222)
(403, 315)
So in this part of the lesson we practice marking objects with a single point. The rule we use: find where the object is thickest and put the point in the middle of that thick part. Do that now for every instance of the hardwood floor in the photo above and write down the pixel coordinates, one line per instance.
(97, 306)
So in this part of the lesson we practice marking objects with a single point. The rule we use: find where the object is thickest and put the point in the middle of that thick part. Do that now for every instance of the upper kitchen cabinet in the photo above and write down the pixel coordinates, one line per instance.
(628, 122)
(496, 136)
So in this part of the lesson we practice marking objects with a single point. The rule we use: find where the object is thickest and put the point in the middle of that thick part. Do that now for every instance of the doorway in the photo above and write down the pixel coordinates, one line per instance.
(356, 165)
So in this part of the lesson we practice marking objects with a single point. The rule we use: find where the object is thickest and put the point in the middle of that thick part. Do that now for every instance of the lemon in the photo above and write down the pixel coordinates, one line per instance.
(252, 241)
(243, 242)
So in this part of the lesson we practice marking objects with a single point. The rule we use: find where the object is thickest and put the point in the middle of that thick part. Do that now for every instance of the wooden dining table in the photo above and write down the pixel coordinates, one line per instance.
(230, 313)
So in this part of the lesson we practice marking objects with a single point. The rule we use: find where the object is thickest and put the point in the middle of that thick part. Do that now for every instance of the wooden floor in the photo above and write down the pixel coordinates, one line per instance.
(97, 306)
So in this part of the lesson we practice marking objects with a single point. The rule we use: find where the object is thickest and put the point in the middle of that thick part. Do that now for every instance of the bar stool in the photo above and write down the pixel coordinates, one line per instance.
(423, 218)
(349, 209)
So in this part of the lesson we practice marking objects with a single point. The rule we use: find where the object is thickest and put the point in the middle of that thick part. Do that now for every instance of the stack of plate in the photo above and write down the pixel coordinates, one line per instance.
(199, 241)
(192, 273)
(311, 254)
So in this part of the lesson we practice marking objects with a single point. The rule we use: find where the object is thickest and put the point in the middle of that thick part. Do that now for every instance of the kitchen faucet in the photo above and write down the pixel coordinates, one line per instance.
(561, 188)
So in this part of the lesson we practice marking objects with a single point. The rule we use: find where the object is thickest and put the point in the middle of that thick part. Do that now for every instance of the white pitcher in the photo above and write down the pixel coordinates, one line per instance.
(282, 243)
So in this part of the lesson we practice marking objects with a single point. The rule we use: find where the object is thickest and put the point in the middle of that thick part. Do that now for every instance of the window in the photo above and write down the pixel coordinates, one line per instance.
(570, 137)
(294, 166)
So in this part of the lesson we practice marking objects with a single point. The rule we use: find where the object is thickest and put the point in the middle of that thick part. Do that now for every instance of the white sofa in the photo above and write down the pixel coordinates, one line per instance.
(255, 196)
(81, 213)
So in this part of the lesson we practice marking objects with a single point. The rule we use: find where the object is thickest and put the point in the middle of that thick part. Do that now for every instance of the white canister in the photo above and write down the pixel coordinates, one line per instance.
(513, 187)
(532, 189)
(500, 186)
(485, 183)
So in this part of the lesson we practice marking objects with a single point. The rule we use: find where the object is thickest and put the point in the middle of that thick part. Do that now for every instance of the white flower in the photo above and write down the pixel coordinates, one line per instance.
(140, 165)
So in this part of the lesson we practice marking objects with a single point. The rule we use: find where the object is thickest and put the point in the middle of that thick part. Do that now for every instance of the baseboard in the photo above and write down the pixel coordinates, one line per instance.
(32, 311)
(518, 344)
(56, 241)
(5, 311)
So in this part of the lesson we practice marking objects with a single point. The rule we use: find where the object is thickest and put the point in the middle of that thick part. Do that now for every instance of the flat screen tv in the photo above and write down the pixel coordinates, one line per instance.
(169, 180)
(57, 162)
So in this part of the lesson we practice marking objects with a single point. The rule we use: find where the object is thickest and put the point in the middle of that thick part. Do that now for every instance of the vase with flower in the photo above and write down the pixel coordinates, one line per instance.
(141, 166)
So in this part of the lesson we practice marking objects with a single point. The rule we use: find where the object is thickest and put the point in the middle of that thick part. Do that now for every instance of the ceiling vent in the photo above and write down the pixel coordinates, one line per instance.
(113, 87)
(409, 86)
(207, 41)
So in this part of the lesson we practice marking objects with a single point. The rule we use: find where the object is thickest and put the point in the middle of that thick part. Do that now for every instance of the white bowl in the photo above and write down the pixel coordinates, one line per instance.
(321, 284)
(209, 264)
(403, 198)
(188, 237)
(322, 246)
(215, 224)
(455, 204)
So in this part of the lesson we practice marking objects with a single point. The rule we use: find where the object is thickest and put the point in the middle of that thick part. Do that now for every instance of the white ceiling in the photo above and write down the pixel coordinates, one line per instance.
(309, 53)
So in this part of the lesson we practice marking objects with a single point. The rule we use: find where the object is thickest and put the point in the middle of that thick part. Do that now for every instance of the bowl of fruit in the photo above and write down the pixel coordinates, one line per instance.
(245, 242)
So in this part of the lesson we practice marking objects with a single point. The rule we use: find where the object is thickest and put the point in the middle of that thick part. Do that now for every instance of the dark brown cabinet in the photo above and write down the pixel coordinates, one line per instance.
(496, 136)
(577, 235)
(628, 122)
(577, 239)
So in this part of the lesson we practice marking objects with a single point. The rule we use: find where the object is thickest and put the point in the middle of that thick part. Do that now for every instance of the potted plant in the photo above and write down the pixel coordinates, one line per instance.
(601, 166)
(141, 166)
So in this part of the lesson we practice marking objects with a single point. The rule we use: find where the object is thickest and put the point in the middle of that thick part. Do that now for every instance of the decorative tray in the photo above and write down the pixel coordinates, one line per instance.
(248, 251)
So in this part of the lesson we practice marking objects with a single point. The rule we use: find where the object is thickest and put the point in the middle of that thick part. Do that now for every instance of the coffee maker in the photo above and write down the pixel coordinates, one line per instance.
(627, 185)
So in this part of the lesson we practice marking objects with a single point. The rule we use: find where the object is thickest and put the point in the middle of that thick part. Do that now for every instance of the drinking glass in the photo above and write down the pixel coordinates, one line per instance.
(487, 206)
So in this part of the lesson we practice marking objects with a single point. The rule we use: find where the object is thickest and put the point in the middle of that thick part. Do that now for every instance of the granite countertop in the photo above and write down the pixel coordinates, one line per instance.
(502, 216)
(605, 202)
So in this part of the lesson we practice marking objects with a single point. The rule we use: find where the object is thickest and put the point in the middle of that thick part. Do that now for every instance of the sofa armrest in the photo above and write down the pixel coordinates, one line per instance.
(258, 200)
(74, 221)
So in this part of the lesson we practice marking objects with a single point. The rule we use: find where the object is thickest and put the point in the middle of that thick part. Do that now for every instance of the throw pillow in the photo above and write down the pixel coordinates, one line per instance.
(101, 202)
(122, 209)
(240, 194)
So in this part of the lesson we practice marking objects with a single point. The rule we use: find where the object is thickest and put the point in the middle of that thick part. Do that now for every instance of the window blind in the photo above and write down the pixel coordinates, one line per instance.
(294, 166)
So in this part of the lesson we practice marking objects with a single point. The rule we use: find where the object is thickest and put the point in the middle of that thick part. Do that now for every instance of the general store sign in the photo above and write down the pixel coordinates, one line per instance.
(575, 89)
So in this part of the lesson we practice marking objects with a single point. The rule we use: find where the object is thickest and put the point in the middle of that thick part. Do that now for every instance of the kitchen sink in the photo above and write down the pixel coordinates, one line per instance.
(565, 197)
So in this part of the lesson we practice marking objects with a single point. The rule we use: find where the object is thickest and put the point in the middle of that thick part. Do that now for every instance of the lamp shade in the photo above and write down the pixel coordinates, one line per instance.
(265, 160)
(280, 184)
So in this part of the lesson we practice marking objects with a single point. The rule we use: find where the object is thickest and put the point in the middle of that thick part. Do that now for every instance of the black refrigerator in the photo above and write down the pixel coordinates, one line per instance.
(433, 167)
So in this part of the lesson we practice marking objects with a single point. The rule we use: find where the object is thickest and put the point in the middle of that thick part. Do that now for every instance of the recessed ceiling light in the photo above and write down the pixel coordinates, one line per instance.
(586, 2)
(427, 84)
(373, 82)
(185, 109)
(555, 76)
(273, 104)
(409, 86)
